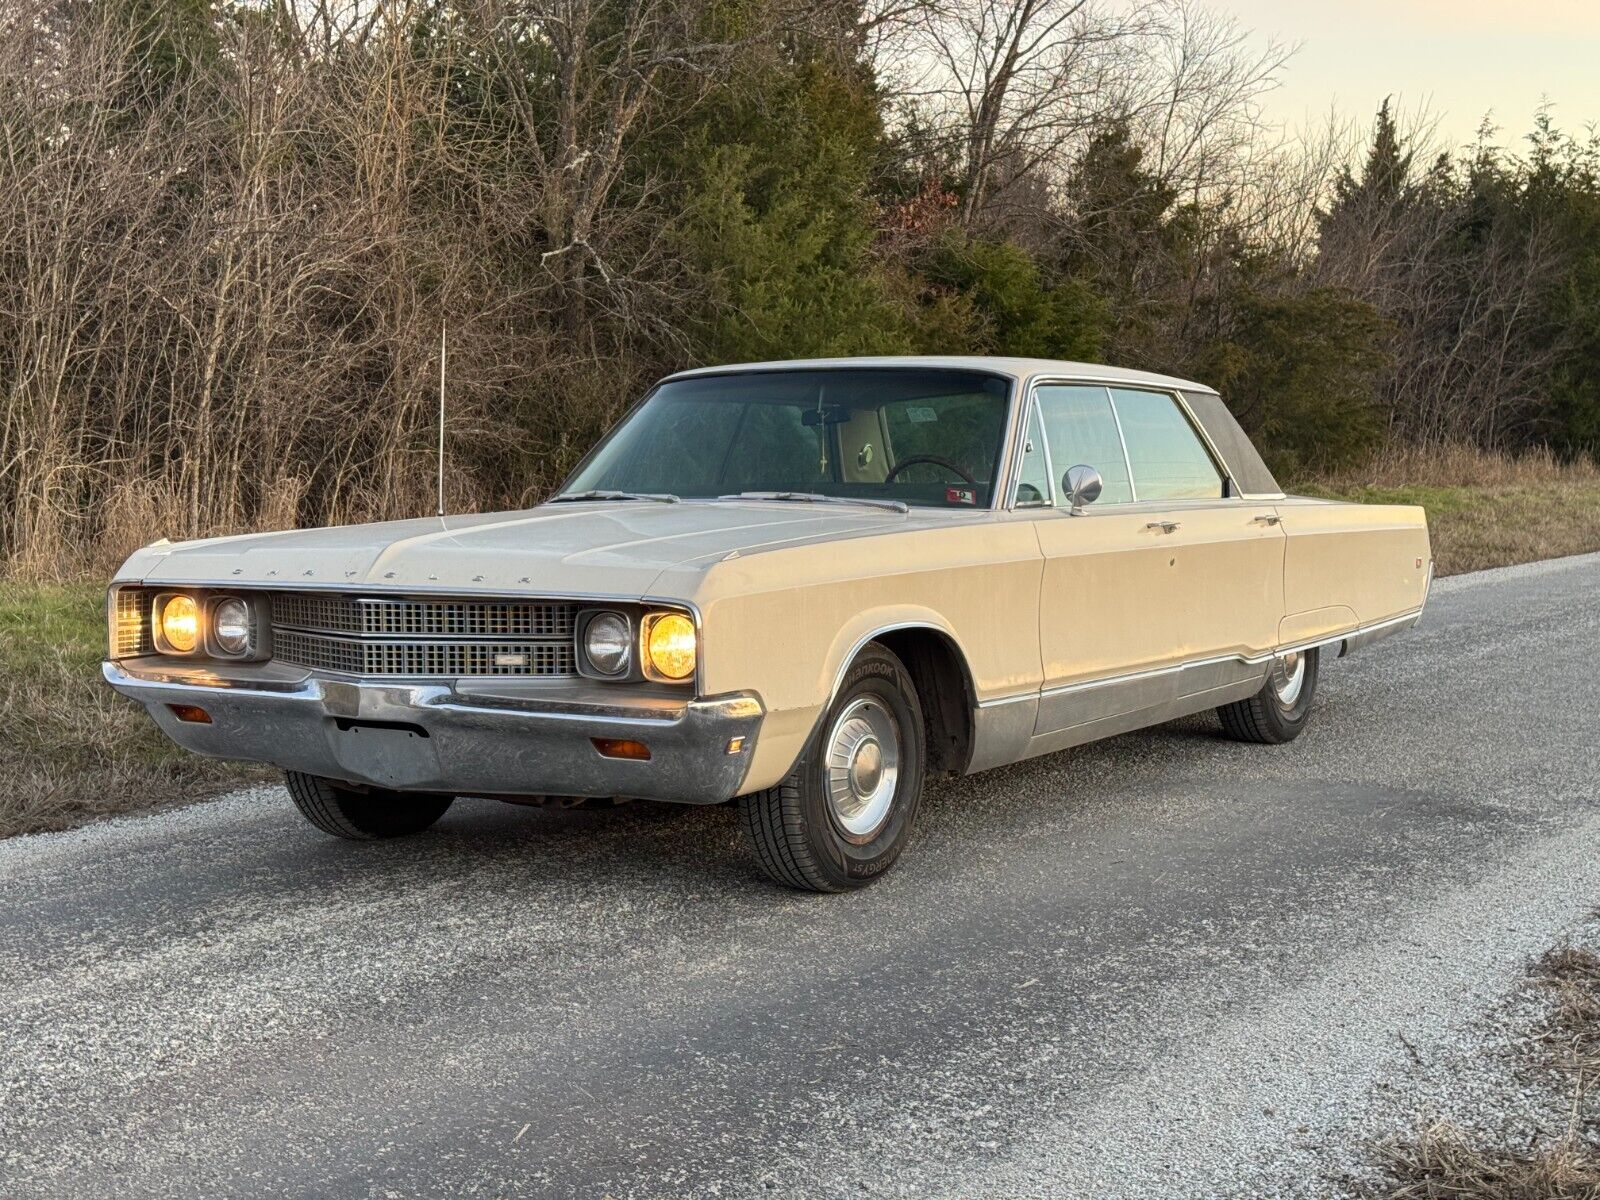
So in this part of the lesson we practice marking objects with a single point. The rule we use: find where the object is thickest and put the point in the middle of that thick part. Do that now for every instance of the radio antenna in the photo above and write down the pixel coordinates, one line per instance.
(441, 417)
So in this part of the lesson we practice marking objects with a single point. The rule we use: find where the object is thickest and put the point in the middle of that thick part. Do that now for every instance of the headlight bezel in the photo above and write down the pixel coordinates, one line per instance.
(640, 621)
(153, 637)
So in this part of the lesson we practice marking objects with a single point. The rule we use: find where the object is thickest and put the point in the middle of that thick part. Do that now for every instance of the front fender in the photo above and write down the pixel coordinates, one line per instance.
(788, 728)
(786, 625)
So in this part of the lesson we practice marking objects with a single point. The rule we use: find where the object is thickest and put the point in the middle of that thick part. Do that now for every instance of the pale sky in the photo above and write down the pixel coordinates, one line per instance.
(1459, 58)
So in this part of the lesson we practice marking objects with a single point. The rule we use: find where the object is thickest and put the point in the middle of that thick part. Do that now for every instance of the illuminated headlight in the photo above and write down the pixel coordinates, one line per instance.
(669, 645)
(606, 643)
(177, 623)
(230, 625)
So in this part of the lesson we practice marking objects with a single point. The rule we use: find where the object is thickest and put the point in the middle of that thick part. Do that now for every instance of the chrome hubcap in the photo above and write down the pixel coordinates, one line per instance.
(863, 767)
(1289, 677)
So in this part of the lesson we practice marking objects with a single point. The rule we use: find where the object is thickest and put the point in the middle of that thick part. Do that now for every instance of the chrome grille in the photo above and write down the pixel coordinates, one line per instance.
(380, 636)
(364, 656)
(424, 618)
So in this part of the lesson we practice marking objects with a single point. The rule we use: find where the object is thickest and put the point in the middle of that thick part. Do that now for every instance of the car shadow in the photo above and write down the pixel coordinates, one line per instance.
(702, 850)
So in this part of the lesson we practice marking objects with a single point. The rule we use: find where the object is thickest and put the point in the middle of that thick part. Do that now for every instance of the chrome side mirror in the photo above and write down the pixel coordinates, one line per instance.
(1082, 485)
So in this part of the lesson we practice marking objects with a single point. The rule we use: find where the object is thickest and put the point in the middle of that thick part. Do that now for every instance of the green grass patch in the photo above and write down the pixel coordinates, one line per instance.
(1441, 500)
(73, 749)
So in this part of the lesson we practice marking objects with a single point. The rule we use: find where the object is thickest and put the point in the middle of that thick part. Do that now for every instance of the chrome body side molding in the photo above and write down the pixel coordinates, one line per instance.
(1167, 709)
(1365, 636)
(1009, 728)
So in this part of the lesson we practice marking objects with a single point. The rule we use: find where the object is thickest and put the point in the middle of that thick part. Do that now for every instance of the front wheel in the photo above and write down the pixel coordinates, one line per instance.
(363, 815)
(842, 818)
(1278, 712)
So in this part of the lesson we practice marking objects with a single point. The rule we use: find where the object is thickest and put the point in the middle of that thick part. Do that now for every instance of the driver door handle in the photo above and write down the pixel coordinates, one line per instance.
(1266, 519)
(1163, 526)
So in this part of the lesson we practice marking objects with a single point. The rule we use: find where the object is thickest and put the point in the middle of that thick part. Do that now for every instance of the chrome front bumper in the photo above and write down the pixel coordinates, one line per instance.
(494, 739)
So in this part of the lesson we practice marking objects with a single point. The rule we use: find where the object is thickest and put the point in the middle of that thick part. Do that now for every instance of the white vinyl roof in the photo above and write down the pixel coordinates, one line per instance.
(1016, 368)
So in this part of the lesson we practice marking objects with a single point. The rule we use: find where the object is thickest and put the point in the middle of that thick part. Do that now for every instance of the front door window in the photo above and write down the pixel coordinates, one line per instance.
(1082, 429)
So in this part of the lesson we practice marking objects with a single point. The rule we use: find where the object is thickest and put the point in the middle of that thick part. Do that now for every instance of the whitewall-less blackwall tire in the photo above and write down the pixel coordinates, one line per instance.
(842, 817)
(1278, 712)
(363, 815)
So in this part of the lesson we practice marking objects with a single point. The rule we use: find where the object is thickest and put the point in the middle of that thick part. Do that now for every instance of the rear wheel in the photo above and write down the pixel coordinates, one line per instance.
(363, 815)
(842, 818)
(1278, 712)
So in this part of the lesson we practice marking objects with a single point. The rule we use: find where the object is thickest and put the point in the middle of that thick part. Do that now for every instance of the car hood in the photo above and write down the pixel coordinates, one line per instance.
(609, 548)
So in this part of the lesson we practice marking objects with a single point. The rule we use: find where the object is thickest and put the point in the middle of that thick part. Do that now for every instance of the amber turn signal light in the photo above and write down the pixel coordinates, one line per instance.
(190, 713)
(622, 748)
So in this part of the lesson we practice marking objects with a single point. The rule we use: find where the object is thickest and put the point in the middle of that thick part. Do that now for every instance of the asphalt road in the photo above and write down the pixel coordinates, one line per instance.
(1163, 964)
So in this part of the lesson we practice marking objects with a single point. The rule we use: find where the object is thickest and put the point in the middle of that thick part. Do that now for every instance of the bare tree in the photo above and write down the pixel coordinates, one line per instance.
(1463, 293)
(220, 303)
(1013, 88)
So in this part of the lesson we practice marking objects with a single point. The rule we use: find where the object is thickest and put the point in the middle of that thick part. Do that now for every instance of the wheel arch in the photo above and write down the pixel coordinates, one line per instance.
(942, 676)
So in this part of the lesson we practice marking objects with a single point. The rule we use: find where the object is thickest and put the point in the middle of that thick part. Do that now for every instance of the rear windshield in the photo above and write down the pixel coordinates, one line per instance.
(923, 436)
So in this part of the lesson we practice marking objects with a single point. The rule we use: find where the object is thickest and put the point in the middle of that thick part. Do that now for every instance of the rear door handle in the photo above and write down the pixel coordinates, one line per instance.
(1266, 519)
(1163, 526)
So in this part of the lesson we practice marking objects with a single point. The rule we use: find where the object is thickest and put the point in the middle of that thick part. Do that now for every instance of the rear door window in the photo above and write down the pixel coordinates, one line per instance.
(1167, 458)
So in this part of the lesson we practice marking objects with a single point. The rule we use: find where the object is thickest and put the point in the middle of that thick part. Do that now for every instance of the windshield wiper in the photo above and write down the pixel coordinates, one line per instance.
(657, 497)
(899, 506)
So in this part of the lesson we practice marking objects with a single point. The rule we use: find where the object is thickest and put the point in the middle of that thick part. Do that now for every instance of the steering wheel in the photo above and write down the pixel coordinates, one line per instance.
(928, 458)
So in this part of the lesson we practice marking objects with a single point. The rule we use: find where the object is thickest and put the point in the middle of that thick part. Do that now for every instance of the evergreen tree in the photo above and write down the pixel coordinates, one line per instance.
(1302, 374)
(778, 220)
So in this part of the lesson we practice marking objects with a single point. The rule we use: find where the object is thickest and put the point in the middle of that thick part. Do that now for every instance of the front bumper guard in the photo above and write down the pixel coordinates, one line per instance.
(429, 737)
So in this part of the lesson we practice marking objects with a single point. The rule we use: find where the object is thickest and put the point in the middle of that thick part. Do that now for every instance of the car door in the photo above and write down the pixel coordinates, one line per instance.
(1157, 578)
(1230, 573)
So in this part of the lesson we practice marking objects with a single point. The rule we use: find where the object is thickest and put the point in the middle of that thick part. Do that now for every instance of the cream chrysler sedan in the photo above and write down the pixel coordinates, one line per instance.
(803, 586)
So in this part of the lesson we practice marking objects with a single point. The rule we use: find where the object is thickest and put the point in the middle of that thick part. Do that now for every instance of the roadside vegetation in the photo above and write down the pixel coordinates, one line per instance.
(1444, 1161)
(73, 750)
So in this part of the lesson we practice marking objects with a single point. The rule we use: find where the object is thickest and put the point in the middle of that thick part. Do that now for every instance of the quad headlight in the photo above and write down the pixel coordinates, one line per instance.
(186, 625)
(669, 646)
(177, 623)
(660, 646)
(608, 643)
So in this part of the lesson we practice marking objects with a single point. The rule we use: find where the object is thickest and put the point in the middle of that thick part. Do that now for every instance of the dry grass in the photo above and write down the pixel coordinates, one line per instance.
(1458, 465)
(1445, 1161)
(73, 749)
(1484, 510)
(1572, 1035)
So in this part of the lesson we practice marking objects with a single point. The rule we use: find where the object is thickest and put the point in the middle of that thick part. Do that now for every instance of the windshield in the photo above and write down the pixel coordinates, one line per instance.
(922, 436)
